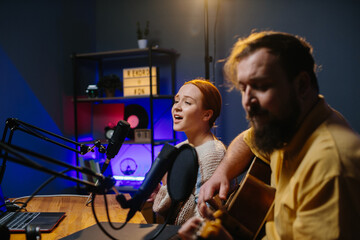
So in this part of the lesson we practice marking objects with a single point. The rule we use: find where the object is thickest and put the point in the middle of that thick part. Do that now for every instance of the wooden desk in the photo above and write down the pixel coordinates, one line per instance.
(78, 215)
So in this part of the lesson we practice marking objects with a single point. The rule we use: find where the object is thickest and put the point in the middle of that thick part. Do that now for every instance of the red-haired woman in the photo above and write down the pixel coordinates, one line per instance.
(196, 107)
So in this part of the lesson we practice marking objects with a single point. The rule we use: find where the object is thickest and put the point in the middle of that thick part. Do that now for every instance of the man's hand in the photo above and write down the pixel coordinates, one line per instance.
(216, 184)
(213, 186)
(238, 156)
(206, 229)
(189, 228)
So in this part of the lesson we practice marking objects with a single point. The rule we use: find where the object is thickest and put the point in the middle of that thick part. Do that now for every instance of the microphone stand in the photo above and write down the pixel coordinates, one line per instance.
(19, 157)
(13, 124)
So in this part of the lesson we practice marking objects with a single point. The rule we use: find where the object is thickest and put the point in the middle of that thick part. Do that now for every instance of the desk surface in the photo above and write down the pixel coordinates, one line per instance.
(78, 215)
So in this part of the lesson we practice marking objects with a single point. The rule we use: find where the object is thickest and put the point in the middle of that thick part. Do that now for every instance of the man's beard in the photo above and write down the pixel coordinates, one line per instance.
(277, 132)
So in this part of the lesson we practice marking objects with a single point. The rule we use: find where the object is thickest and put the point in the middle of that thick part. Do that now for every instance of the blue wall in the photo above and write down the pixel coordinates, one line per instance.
(37, 39)
(19, 101)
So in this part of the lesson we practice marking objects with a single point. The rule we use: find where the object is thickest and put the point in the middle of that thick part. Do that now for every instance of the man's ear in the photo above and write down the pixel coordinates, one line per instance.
(207, 114)
(302, 83)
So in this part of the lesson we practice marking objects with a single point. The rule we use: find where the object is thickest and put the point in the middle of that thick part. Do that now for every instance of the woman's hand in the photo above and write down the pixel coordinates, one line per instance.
(154, 193)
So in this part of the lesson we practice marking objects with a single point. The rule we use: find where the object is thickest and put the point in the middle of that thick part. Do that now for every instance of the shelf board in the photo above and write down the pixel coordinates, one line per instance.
(101, 99)
(132, 142)
(156, 141)
(123, 53)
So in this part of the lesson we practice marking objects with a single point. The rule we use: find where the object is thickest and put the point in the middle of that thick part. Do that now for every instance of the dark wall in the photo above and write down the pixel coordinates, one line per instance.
(332, 27)
(37, 38)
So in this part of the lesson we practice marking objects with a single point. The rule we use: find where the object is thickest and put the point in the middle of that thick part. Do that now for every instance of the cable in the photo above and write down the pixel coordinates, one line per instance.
(108, 216)
(173, 207)
(107, 212)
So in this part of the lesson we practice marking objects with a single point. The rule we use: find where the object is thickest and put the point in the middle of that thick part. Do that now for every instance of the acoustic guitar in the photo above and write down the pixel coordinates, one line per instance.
(247, 208)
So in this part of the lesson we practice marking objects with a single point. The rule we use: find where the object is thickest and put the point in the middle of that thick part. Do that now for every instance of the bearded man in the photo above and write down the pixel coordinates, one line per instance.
(313, 153)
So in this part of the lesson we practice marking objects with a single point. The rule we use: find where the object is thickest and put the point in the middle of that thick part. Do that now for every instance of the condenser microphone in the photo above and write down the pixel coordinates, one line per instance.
(115, 142)
(161, 165)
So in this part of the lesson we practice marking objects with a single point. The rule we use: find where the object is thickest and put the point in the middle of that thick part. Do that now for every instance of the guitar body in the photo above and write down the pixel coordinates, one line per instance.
(248, 207)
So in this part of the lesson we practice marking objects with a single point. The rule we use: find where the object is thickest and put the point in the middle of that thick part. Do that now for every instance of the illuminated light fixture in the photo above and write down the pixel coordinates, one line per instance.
(128, 178)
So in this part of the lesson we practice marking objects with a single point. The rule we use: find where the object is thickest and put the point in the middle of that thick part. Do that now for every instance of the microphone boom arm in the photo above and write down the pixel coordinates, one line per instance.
(13, 124)
(105, 183)
(16, 124)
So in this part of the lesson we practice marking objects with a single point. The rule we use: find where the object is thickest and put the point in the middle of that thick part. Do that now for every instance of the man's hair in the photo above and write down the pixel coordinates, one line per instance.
(211, 97)
(295, 54)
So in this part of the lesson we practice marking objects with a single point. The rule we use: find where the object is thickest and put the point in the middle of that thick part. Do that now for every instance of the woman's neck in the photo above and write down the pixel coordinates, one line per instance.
(198, 139)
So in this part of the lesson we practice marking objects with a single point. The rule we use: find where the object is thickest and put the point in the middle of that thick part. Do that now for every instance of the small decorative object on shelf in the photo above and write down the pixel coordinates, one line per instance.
(92, 91)
(142, 35)
(128, 166)
(137, 81)
(142, 135)
(109, 84)
(109, 131)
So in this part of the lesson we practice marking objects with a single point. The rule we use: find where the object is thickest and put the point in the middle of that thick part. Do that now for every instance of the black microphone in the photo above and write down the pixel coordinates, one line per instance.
(115, 142)
(161, 165)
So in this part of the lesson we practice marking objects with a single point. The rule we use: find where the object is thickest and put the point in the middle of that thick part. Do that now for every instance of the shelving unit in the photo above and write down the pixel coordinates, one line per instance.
(97, 63)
